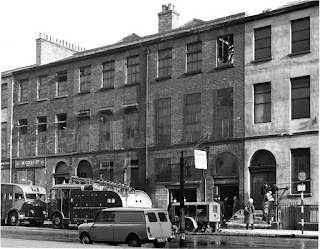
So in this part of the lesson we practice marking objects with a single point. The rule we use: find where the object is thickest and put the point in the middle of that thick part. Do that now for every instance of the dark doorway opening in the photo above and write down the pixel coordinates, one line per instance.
(227, 193)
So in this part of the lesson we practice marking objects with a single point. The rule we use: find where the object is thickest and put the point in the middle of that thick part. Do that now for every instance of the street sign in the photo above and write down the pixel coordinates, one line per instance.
(302, 176)
(301, 187)
(200, 159)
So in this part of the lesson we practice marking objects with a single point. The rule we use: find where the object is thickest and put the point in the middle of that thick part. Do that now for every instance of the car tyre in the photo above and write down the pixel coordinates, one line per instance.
(159, 244)
(85, 239)
(134, 241)
(57, 221)
(13, 219)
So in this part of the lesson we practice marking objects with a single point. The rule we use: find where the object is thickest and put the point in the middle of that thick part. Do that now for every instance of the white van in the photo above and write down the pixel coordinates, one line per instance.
(133, 226)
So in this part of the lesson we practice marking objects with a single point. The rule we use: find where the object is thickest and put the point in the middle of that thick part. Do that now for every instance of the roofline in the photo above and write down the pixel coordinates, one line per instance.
(239, 18)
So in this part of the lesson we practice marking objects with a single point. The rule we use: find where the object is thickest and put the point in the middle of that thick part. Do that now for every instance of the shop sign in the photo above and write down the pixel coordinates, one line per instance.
(5, 164)
(30, 163)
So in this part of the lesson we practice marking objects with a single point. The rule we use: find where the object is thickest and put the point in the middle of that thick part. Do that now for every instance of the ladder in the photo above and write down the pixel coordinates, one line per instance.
(109, 184)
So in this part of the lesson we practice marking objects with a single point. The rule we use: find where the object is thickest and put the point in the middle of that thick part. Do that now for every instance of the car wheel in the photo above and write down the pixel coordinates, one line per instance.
(13, 219)
(85, 238)
(57, 221)
(134, 241)
(159, 244)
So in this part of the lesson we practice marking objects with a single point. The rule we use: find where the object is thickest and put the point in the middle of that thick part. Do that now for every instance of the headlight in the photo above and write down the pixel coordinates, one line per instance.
(32, 211)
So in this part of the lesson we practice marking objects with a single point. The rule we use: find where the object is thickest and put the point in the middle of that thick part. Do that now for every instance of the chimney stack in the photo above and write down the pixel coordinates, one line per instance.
(168, 18)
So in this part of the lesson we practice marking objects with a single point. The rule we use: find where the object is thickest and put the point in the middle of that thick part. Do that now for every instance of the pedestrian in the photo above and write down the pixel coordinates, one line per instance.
(227, 210)
(235, 206)
(249, 212)
(267, 201)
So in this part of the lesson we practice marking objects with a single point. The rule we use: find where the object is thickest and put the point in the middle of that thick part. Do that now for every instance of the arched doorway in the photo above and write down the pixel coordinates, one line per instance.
(263, 170)
(226, 178)
(84, 169)
(62, 173)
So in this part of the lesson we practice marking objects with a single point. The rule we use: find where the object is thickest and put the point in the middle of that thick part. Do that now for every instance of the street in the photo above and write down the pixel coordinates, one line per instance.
(46, 237)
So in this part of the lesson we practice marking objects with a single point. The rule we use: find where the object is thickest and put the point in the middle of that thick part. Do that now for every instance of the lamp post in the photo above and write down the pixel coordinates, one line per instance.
(182, 211)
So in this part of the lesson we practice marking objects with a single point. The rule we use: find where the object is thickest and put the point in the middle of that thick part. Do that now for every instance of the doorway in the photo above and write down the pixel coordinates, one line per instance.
(263, 170)
(227, 193)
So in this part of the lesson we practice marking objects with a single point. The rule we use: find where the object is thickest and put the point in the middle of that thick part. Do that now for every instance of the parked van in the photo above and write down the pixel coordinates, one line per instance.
(133, 226)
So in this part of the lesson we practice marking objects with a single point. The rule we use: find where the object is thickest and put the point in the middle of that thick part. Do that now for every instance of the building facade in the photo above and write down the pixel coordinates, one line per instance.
(236, 87)
(282, 101)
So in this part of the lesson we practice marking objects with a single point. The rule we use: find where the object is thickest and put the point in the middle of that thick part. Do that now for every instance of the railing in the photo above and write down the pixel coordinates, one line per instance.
(289, 214)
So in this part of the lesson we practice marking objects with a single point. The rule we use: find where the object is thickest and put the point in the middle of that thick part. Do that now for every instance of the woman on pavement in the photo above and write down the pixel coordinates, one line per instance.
(249, 211)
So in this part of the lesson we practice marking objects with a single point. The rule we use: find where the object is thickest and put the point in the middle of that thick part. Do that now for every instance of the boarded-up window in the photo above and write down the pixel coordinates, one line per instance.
(163, 170)
(191, 173)
(163, 122)
(83, 134)
(300, 35)
(134, 175)
(131, 129)
(61, 121)
(224, 119)
(300, 97)
(4, 145)
(262, 102)
(42, 135)
(22, 140)
(226, 164)
(106, 131)
(192, 118)
(194, 57)
(165, 63)
(300, 162)
(262, 43)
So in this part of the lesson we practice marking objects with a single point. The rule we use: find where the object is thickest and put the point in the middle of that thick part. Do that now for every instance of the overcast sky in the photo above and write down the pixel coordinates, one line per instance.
(97, 23)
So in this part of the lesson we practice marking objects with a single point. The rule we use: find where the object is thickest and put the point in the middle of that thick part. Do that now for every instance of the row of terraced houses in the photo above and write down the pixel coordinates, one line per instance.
(243, 88)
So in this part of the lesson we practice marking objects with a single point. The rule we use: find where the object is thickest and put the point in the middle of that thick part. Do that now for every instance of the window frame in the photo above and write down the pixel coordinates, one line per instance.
(42, 88)
(4, 95)
(294, 181)
(262, 41)
(133, 70)
(165, 63)
(225, 52)
(61, 130)
(61, 85)
(300, 96)
(24, 91)
(194, 57)
(302, 38)
(131, 133)
(85, 79)
(163, 122)
(41, 124)
(265, 104)
(22, 136)
(108, 74)
(192, 118)
(106, 118)
(163, 170)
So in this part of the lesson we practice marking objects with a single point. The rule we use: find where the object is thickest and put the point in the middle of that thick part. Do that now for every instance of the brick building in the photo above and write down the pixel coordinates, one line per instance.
(124, 112)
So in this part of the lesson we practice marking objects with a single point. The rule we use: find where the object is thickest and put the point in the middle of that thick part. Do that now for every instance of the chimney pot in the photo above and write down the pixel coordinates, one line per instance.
(168, 19)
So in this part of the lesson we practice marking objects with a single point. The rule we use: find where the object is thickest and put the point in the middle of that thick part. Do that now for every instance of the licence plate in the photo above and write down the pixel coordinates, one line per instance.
(161, 240)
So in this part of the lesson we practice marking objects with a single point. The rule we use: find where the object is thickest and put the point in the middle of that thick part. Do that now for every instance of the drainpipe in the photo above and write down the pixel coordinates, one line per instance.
(11, 131)
(147, 113)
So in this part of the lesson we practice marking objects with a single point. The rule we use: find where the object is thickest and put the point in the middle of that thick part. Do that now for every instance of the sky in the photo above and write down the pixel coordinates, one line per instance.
(96, 23)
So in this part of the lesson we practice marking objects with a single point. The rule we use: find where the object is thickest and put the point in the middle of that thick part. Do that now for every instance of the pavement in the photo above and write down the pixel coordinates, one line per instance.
(255, 232)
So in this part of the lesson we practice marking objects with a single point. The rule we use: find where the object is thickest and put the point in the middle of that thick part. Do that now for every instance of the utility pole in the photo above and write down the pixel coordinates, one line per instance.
(182, 211)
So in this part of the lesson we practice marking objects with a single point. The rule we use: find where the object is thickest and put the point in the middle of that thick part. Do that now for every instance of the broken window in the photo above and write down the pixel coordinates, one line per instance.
(131, 129)
(300, 97)
(22, 140)
(106, 170)
(83, 134)
(23, 90)
(225, 50)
